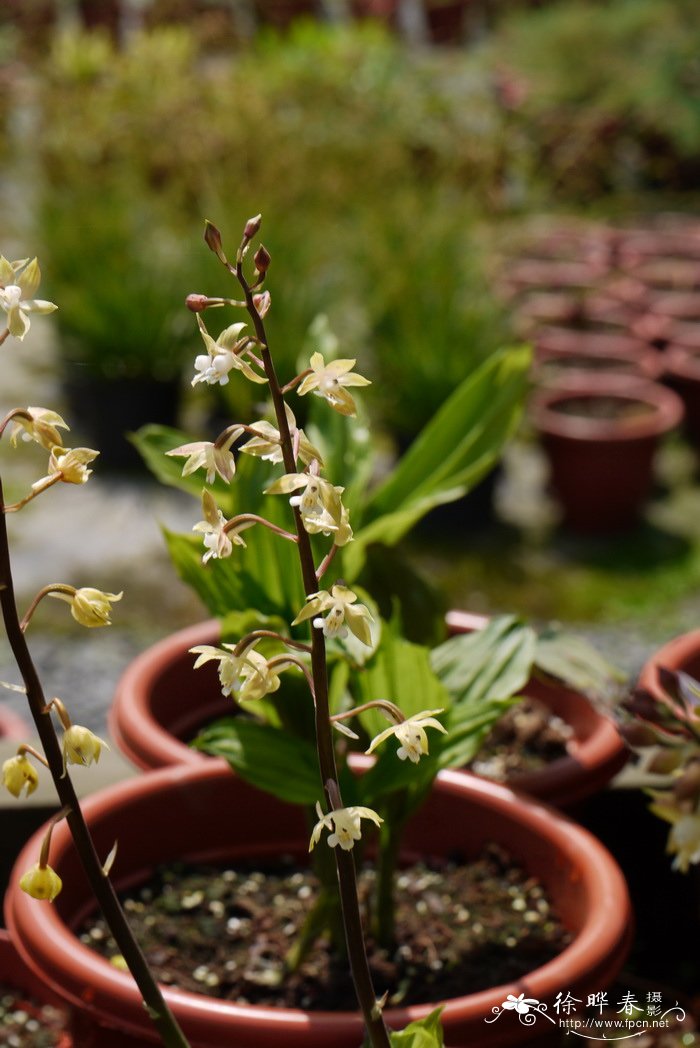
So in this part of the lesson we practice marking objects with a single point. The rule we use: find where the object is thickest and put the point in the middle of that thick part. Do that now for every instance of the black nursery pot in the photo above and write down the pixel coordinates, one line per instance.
(106, 410)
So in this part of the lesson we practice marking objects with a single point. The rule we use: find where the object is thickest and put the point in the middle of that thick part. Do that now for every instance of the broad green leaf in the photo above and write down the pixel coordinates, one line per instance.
(574, 661)
(267, 757)
(492, 663)
(423, 1033)
(401, 672)
(453, 452)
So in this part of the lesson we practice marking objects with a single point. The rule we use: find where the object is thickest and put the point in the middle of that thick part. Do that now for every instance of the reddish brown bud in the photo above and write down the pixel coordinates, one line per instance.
(262, 259)
(212, 238)
(196, 303)
(252, 227)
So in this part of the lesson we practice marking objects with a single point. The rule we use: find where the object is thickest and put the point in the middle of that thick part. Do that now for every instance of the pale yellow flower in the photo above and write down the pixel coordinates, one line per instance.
(223, 355)
(230, 665)
(203, 454)
(18, 282)
(330, 381)
(268, 447)
(19, 774)
(684, 841)
(218, 541)
(343, 614)
(90, 607)
(319, 503)
(258, 678)
(70, 464)
(42, 426)
(81, 746)
(344, 824)
(411, 734)
(41, 882)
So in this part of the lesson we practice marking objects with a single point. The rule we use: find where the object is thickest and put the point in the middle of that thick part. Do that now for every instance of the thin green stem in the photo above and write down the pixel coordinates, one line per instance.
(101, 886)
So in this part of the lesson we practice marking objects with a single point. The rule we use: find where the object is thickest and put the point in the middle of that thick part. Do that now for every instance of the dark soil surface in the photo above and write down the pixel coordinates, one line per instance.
(526, 738)
(26, 1024)
(604, 408)
(226, 933)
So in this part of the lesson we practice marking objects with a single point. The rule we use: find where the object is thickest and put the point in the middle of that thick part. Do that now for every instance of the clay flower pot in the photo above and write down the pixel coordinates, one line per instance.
(600, 439)
(595, 753)
(161, 702)
(12, 726)
(596, 341)
(174, 814)
(16, 974)
(682, 373)
(556, 367)
(681, 653)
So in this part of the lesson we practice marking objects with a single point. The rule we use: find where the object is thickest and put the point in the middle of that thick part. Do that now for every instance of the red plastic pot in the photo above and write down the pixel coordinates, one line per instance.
(16, 974)
(161, 701)
(681, 653)
(601, 468)
(175, 813)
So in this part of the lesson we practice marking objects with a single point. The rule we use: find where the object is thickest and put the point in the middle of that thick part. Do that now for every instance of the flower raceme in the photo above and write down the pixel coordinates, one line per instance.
(331, 380)
(19, 774)
(343, 614)
(411, 734)
(343, 824)
(223, 355)
(18, 283)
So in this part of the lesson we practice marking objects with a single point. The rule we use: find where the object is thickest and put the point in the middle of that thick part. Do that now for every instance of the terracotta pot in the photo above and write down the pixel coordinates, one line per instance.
(13, 726)
(555, 367)
(601, 468)
(154, 714)
(680, 274)
(598, 341)
(596, 752)
(461, 814)
(552, 274)
(682, 374)
(681, 653)
(16, 974)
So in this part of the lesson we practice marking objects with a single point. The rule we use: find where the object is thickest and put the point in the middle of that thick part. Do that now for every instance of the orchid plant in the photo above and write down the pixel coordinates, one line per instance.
(64, 743)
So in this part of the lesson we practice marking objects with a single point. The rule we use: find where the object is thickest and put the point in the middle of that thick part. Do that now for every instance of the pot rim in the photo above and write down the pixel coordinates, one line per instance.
(140, 736)
(49, 947)
(667, 410)
(682, 362)
(675, 654)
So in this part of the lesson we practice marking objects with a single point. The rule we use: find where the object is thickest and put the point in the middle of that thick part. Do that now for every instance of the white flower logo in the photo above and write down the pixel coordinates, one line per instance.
(520, 1004)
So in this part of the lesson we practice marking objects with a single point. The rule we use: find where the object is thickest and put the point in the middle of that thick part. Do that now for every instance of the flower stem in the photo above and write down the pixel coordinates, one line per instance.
(48, 482)
(345, 863)
(101, 886)
(55, 587)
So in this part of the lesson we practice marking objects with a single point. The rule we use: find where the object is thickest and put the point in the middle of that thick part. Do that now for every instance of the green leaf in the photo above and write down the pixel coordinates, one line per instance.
(574, 661)
(267, 757)
(452, 453)
(491, 663)
(423, 1033)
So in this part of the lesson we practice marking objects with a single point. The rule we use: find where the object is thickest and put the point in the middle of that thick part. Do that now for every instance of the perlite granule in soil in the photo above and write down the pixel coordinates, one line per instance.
(26, 1024)
(227, 932)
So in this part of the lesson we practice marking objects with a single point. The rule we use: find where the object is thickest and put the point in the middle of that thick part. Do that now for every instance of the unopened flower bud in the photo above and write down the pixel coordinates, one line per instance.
(19, 774)
(262, 303)
(252, 227)
(196, 303)
(687, 788)
(262, 259)
(41, 882)
(637, 734)
(212, 238)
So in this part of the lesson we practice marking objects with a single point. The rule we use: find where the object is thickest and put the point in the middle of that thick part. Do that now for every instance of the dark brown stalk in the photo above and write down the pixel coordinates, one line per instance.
(101, 886)
(345, 862)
